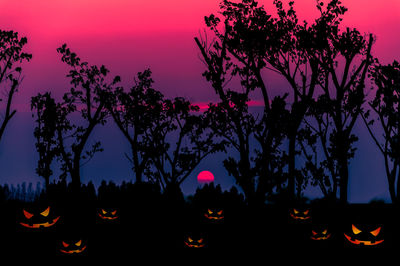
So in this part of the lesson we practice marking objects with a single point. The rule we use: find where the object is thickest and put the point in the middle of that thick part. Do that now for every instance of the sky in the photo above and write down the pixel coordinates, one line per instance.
(128, 36)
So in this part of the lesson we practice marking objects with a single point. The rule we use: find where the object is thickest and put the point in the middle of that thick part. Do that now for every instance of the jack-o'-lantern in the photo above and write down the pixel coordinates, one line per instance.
(300, 214)
(38, 217)
(192, 242)
(214, 214)
(72, 247)
(108, 214)
(320, 234)
(365, 235)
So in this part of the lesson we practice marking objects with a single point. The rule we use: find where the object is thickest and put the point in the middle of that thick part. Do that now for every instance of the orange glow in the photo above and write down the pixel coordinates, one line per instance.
(299, 217)
(362, 242)
(197, 244)
(46, 212)
(72, 251)
(376, 231)
(38, 225)
(65, 244)
(210, 215)
(104, 217)
(27, 214)
(324, 235)
(356, 231)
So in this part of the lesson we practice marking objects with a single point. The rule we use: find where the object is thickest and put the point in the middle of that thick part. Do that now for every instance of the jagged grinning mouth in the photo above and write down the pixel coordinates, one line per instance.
(362, 242)
(107, 217)
(73, 251)
(299, 217)
(213, 217)
(194, 245)
(321, 237)
(46, 224)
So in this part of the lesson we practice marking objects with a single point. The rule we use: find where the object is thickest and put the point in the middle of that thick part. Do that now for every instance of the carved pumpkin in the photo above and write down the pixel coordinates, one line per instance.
(214, 214)
(39, 218)
(108, 214)
(72, 247)
(364, 236)
(320, 234)
(192, 242)
(300, 214)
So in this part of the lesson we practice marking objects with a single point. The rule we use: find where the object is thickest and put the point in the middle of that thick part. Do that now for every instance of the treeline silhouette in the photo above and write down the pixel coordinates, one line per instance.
(302, 137)
(108, 192)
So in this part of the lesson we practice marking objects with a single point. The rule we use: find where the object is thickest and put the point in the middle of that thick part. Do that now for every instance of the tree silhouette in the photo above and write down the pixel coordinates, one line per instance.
(308, 57)
(259, 168)
(385, 105)
(345, 57)
(11, 57)
(45, 133)
(87, 98)
(261, 42)
(175, 161)
(247, 29)
(132, 111)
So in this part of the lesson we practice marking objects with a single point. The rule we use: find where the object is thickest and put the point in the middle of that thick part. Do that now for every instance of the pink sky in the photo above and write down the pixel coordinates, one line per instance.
(130, 35)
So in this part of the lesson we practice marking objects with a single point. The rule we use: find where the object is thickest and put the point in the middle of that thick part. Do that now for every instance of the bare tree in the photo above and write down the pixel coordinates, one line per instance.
(86, 98)
(45, 111)
(345, 57)
(177, 141)
(386, 106)
(131, 111)
(11, 57)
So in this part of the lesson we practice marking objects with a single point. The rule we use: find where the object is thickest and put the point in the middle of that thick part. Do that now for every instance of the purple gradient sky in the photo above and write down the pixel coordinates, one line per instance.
(130, 35)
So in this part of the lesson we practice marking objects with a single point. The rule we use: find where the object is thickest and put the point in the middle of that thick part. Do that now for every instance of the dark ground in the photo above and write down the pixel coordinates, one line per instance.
(150, 223)
(152, 228)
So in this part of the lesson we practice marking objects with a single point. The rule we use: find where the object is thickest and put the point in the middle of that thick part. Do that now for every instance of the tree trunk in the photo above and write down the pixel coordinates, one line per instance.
(291, 166)
(46, 181)
(75, 174)
(343, 171)
(396, 191)
(136, 165)
(344, 180)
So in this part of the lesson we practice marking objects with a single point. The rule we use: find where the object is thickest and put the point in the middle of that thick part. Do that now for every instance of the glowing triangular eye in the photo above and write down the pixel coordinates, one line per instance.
(313, 232)
(103, 211)
(45, 213)
(200, 241)
(65, 244)
(356, 231)
(220, 212)
(27, 214)
(79, 243)
(114, 212)
(190, 240)
(295, 211)
(306, 212)
(325, 231)
(376, 231)
(209, 211)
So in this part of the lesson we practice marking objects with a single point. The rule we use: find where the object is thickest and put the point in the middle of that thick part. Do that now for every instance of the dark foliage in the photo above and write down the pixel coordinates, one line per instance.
(11, 58)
